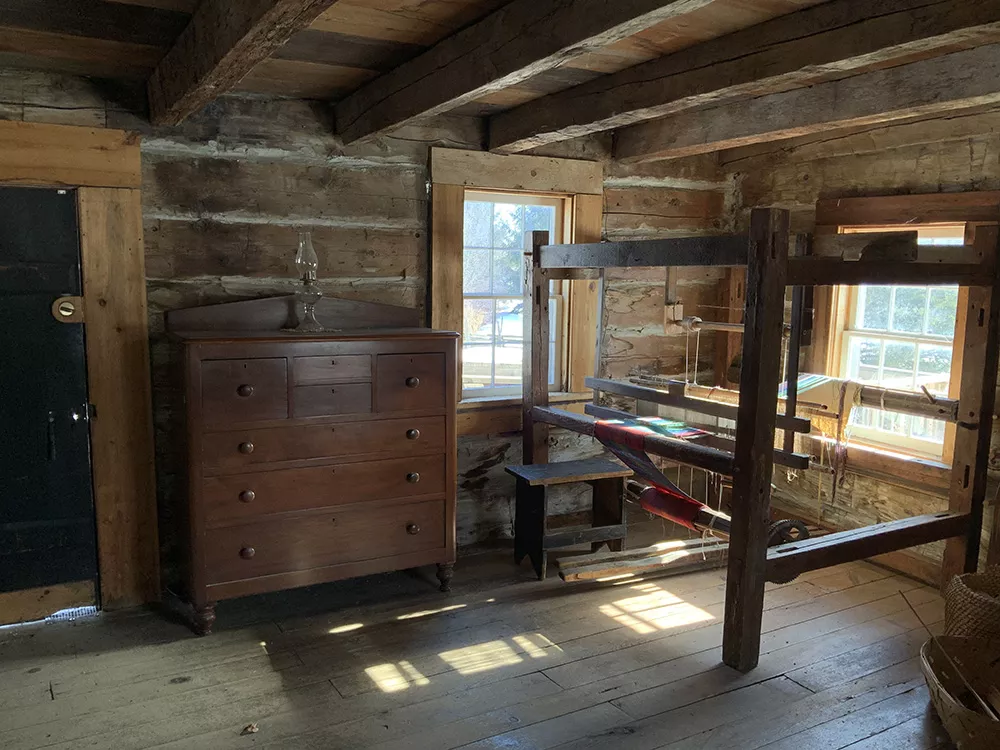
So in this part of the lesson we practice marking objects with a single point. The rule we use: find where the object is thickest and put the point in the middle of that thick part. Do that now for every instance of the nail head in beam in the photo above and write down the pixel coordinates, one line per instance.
(721, 250)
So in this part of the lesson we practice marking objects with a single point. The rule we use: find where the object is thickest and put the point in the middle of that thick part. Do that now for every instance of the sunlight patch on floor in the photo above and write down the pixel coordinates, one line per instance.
(430, 612)
(481, 657)
(653, 609)
(346, 628)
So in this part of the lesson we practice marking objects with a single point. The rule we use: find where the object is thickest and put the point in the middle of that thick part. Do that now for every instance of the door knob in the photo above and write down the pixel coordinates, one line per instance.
(413, 477)
(247, 496)
(247, 552)
(412, 434)
(412, 529)
(246, 448)
(412, 382)
(245, 390)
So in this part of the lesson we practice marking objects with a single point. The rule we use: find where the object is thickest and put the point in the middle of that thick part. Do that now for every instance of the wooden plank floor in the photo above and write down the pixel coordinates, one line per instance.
(503, 662)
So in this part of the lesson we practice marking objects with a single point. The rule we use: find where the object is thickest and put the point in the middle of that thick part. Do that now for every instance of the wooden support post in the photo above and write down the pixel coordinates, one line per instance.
(753, 460)
(535, 375)
(980, 354)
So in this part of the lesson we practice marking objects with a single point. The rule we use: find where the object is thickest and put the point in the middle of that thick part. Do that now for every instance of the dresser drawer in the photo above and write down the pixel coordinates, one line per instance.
(313, 540)
(410, 382)
(244, 390)
(329, 400)
(245, 496)
(333, 368)
(239, 449)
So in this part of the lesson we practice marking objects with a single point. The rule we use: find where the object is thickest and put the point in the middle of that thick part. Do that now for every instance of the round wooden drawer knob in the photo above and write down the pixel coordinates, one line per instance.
(247, 552)
(245, 390)
(412, 382)
(247, 496)
(246, 448)
(412, 529)
(412, 434)
(413, 477)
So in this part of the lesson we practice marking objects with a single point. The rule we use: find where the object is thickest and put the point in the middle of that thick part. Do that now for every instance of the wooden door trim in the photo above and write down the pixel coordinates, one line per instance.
(106, 167)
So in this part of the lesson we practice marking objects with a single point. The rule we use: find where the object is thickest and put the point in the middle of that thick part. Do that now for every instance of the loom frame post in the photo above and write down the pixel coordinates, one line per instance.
(755, 424)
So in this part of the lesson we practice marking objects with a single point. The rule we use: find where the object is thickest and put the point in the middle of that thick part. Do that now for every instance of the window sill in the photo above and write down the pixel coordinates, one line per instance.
(918, 472)
(483, 416)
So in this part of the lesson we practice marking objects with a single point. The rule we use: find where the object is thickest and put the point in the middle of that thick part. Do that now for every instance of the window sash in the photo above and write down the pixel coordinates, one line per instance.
(558, 334)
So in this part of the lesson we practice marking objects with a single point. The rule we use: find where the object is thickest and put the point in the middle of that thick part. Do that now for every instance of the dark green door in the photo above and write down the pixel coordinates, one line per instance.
(47, 531)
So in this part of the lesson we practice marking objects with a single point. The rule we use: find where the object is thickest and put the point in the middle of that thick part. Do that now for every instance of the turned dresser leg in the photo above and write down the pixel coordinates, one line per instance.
(444, 574)
(203, 619)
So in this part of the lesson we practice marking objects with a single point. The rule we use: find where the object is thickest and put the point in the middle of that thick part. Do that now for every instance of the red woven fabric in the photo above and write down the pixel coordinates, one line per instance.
(630, 436)
(677, 508)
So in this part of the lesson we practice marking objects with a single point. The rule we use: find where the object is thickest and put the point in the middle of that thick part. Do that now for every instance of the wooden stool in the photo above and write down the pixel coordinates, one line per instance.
(531, 535)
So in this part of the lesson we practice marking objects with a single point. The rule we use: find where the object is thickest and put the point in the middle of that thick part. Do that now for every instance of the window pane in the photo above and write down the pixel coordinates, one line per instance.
(508, 268)
(873, 307)
(934, 368)
(507, 352)
(540, 218)
(941, 312)
(508, 226)
(869, 352)
(864, 357)
(477, 343)
(908, 309)
(476, 271)
(478, 223)
(900, 356)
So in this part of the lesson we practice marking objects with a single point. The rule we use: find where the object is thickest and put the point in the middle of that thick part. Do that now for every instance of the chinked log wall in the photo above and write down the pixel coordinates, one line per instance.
(225, 193)
(948, 155)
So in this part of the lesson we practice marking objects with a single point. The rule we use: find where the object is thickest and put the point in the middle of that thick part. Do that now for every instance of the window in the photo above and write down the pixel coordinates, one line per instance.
(493, 275)
(900, 337)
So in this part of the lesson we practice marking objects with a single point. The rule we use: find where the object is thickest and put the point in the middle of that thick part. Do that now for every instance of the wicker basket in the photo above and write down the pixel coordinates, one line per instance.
(972, 605)
(979, 661)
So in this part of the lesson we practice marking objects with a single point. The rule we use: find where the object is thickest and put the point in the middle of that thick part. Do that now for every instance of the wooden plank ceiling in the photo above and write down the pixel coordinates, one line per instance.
(354, 41)
(649, 70)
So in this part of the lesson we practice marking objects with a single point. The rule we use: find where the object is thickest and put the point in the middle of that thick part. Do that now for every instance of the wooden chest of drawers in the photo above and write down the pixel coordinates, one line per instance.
(316, 458)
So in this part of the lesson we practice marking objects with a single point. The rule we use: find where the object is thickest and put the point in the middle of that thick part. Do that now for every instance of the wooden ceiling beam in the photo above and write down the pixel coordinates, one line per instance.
(970, 78)
(816, 44)
(521, 40)
(224, 40)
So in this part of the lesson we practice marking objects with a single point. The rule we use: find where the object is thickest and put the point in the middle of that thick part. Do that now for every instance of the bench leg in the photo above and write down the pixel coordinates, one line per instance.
(608, 507)
(529, 526)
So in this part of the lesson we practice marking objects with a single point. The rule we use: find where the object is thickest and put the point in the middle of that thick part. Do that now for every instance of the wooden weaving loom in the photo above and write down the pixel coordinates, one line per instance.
(750, 457)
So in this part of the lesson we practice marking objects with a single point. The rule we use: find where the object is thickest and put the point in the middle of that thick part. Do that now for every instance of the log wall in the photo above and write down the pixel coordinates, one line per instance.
(225, 193)
(946, 155)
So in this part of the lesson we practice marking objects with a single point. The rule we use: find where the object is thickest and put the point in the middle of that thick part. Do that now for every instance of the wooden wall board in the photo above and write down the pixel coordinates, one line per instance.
(121, 430)
(583, 296)
(38, 603)
(475, 169)
(36, 154)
